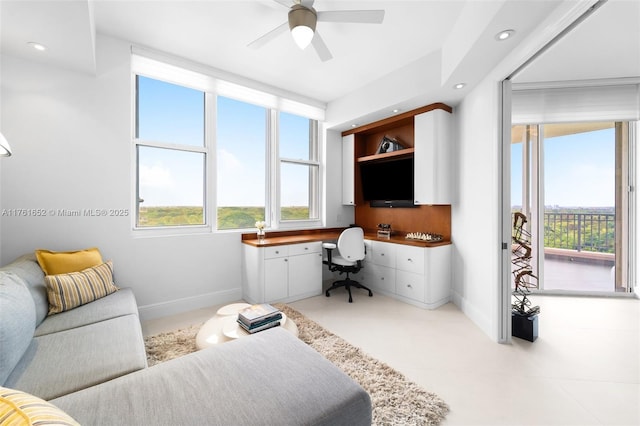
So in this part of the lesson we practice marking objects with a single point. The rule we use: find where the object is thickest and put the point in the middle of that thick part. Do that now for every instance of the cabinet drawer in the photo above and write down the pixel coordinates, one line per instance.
(410, 259)
(306, 248)
(276, 251)
(384, 254)
(368, 250)
(410, 285)
(379, 277)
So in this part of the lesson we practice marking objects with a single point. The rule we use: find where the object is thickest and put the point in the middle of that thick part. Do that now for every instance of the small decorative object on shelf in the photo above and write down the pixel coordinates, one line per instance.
(384, 230)
(260, 233)
(424, 236)
(389, 144)
(524, 318)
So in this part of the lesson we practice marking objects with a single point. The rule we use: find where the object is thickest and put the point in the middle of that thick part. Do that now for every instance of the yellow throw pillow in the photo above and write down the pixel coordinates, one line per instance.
(68, 291)
(63, 262)
(20, 408)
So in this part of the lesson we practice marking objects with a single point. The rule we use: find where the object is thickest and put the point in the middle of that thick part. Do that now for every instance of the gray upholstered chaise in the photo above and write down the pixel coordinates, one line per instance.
(90, 362)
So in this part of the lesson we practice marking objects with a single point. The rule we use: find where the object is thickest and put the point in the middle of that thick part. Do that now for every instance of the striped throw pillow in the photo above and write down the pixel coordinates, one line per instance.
(20, 408)
(68, 291)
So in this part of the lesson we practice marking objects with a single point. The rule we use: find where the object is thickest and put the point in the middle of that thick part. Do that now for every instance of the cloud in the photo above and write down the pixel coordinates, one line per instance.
(156, 176)
(228, 164)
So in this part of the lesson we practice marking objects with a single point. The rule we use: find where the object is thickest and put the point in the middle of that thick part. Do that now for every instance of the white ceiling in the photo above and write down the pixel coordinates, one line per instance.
(458, 35)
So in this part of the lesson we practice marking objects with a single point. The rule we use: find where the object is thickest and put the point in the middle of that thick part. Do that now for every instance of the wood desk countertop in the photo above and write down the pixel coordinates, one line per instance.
(278, 238)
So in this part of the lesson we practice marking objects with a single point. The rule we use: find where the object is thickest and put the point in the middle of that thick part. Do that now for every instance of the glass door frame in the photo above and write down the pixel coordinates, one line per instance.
(533, 205)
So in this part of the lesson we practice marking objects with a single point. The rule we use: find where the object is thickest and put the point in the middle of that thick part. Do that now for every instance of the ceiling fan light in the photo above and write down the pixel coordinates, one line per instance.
(302, 35)
(302, 22)
(5, 149)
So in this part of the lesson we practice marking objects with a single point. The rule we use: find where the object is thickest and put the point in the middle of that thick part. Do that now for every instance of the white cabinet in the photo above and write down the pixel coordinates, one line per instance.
(281, 273)
(432, 156)
(416, 275)
(348, 170)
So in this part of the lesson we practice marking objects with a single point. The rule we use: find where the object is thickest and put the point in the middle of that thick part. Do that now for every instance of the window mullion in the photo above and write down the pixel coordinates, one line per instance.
(272, 209)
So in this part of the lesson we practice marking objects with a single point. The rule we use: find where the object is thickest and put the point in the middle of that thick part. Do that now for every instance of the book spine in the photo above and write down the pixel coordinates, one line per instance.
(259, 321)
(263, 327)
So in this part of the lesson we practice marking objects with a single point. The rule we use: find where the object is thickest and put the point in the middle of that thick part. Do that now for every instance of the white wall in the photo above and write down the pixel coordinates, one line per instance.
(475, 210)
(71, 137)
(70, 134)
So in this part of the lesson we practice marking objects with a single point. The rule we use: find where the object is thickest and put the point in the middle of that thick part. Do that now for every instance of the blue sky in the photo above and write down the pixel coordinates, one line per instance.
(579, 170)
(174, 114)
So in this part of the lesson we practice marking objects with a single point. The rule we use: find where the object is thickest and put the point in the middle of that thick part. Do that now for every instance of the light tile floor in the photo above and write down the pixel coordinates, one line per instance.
(584, 369)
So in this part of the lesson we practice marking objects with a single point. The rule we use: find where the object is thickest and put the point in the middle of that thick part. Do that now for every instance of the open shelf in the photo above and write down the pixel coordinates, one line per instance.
(407, 152)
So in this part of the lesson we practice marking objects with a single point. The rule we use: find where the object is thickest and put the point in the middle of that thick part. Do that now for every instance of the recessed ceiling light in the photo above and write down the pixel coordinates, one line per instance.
(503, 35)
(354, 125)
(396, 110)
(37, 46)
(459, 85)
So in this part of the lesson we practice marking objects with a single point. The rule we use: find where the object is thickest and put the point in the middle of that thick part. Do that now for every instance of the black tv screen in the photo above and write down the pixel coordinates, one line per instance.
(388, 183)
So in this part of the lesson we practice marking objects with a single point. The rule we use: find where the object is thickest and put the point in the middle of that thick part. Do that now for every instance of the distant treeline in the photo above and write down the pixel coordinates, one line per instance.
(228, 217)
(579, 228)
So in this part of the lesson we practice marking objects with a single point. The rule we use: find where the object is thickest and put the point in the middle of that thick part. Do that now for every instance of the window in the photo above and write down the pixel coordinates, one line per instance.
(171, 154)
(299, 168)
(206, 145)
(241, 144)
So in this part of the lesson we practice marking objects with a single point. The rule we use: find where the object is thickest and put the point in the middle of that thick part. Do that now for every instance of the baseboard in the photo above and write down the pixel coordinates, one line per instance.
(173, 307)
(479, 319)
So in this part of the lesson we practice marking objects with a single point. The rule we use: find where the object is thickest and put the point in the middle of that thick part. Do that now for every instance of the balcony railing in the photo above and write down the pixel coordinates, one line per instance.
(593, 232)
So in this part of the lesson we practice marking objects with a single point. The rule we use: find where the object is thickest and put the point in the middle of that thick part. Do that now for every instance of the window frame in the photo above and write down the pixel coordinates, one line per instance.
(314, 190)
(190, 76)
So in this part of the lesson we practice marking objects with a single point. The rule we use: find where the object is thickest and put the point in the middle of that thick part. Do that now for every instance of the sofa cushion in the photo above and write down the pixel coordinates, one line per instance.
(63, 262)
(27, 268)
(270, 378)
(68, 291)
(120, 303)
(17, 321)
(20, 408)
(59, 363)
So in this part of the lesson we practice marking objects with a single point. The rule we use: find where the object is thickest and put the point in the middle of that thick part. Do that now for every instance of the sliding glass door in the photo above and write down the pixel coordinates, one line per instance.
(571, 180)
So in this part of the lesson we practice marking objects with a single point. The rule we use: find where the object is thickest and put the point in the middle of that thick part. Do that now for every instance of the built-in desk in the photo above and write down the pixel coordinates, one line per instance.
(287, 266)
(279, 238)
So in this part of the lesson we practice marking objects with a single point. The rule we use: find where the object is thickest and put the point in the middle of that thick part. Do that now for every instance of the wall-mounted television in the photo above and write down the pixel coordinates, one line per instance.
(388, 183)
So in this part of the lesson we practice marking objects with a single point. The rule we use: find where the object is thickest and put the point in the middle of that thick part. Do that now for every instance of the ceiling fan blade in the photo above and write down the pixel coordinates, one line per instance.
(321, 48)
(355, 16)
(285, 3)
(261, 41)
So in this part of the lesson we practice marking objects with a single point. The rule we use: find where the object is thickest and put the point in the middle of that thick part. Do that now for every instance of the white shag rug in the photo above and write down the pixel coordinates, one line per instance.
(395, 400)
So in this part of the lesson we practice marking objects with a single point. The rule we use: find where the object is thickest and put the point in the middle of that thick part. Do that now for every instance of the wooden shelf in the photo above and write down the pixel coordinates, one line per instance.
(407, 152)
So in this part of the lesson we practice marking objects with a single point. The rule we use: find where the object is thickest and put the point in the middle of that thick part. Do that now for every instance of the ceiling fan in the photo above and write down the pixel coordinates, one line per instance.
(302, 23)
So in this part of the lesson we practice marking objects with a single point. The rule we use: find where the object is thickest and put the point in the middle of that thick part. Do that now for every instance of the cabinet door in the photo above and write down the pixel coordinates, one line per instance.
(410, 258)
(432, 169)
(376, 277)
(348, 170)
(276, 278)
(305, 275)
(410, 285)
(383, 254)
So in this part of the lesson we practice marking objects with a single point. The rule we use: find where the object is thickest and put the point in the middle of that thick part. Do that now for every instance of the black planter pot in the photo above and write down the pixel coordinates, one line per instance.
(524, 326)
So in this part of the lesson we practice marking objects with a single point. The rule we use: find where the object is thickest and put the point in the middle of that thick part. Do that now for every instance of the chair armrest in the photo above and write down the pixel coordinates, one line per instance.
(329, 247)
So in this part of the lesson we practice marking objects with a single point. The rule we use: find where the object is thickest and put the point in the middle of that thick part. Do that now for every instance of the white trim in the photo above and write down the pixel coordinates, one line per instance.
(504, 327)
(192, 74)
(185, 304)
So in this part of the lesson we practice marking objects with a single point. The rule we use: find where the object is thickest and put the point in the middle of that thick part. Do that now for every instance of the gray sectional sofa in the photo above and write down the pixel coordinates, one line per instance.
(91, 363)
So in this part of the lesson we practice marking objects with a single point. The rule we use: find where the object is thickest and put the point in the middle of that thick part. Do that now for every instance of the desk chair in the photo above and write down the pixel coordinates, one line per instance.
(348, 259)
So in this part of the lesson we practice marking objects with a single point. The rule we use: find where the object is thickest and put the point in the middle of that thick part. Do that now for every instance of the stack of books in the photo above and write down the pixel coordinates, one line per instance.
(259, 317)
